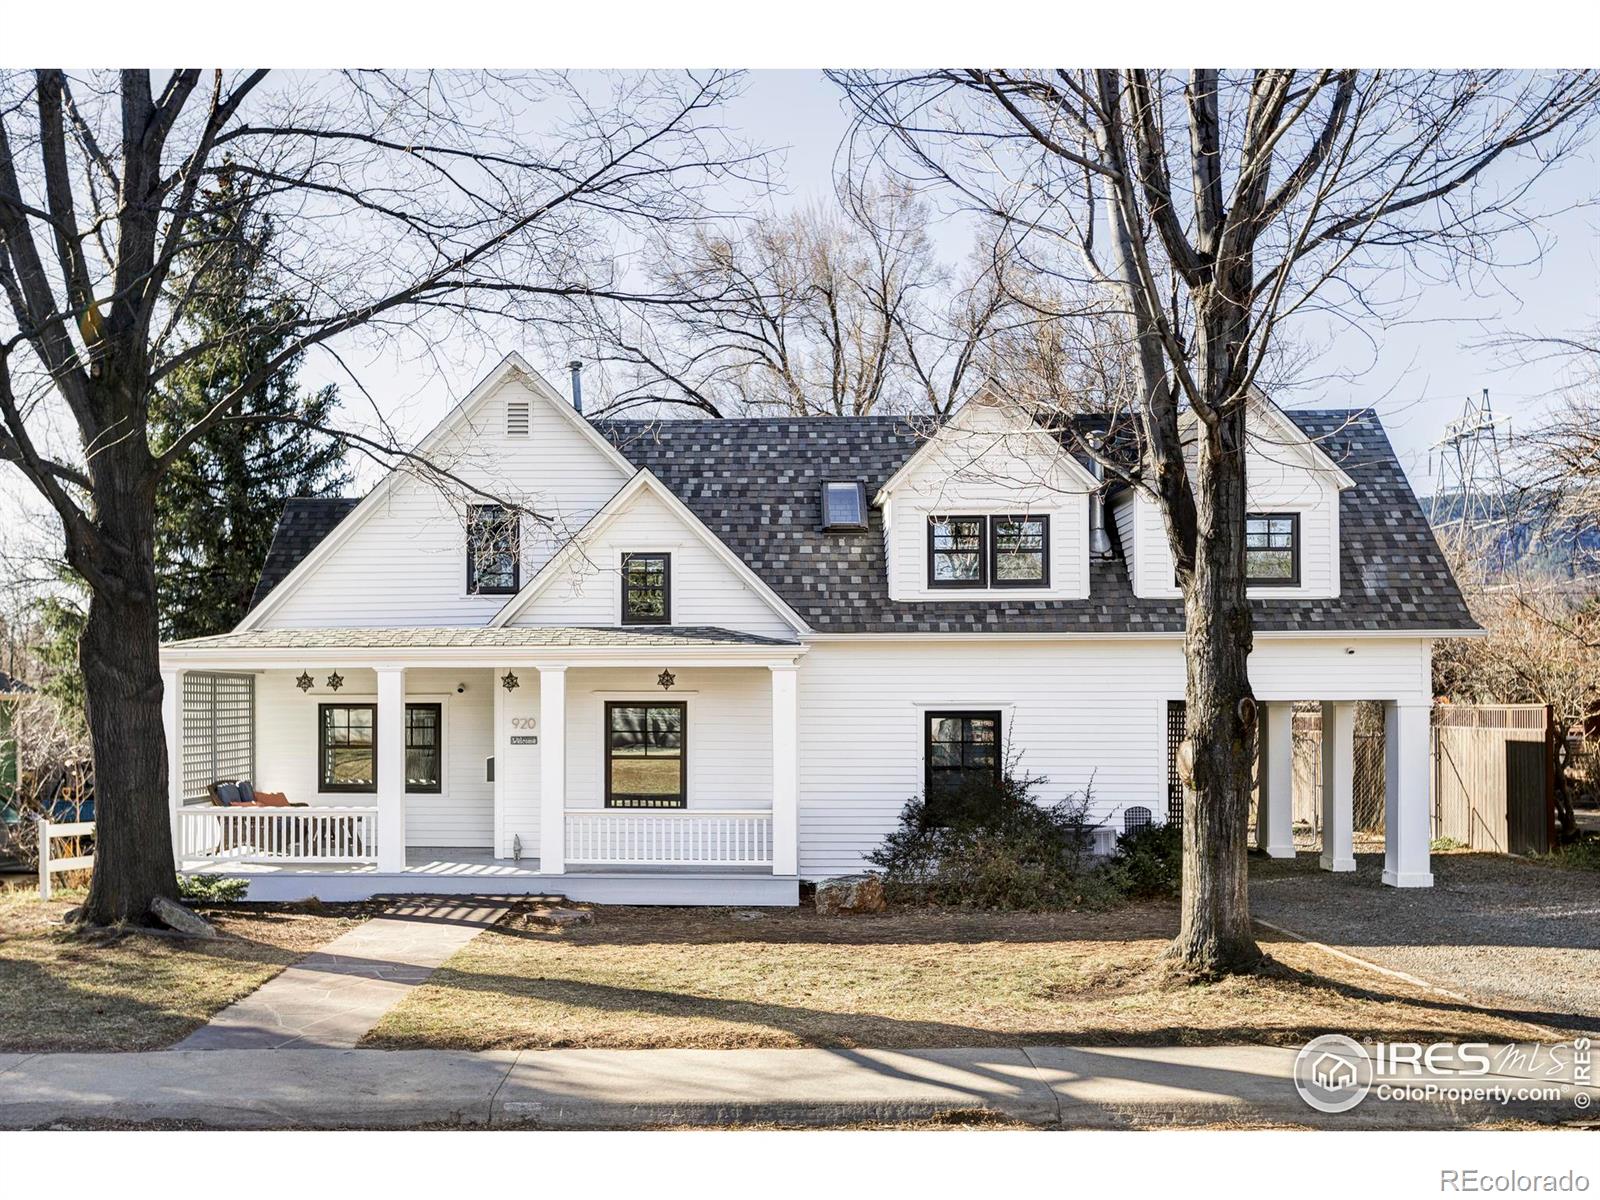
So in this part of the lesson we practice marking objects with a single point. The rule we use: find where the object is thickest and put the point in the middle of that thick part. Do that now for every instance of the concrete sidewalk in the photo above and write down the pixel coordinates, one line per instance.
(1062, 1087)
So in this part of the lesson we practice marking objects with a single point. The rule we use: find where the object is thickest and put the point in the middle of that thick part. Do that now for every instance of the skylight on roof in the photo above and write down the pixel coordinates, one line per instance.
(844, 505)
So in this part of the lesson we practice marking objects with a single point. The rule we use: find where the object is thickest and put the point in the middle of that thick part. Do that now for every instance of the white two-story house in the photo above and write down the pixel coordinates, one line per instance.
(698, 661)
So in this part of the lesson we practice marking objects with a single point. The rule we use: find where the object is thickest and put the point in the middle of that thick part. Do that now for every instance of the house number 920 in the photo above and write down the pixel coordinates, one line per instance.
(524, 722)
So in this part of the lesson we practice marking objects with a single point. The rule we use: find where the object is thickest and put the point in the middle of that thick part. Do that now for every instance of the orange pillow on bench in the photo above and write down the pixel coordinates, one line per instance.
(272, 799)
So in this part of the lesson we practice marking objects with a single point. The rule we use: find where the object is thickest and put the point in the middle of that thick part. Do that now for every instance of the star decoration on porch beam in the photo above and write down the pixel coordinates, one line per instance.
(666, 679)
(304, 682)
(336, 681)
(509, 681)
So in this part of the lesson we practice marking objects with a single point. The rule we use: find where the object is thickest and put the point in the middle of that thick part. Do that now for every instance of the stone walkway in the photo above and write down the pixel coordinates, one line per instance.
(331, 998)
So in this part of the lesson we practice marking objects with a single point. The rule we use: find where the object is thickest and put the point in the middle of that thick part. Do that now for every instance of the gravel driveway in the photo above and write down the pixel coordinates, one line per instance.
(1509, 933)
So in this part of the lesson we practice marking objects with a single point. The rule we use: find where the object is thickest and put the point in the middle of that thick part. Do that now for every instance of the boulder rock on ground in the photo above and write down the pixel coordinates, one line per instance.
(175, 916)
(850, 894)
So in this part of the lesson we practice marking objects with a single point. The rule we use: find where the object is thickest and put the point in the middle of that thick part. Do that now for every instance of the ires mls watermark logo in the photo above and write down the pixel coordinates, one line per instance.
(1334, 1073)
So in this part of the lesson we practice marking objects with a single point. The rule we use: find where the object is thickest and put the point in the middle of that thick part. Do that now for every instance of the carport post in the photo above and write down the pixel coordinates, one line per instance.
(1408, 810)
(1338, 785)
(1275, 813)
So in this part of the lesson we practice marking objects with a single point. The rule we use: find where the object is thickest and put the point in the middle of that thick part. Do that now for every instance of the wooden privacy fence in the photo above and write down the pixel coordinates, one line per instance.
(1494, 776)
(50, 865)
(1367, 783)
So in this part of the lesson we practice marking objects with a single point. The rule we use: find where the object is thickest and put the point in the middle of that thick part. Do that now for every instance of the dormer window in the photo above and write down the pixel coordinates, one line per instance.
(493, 555)
(1272, 549)
(1000, 551)
(844, 506)
(956, 552)
(1021, 549)
(647, 589)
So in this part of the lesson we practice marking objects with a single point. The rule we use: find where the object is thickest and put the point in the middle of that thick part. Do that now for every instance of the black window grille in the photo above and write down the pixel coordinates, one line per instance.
(647, 589)
(1177, 730)
(646, 755)
(493, 551)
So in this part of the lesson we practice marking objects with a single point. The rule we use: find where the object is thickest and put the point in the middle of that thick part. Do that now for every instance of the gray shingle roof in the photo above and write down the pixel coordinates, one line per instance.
(518, 637)
(755, 483)
(305, 522)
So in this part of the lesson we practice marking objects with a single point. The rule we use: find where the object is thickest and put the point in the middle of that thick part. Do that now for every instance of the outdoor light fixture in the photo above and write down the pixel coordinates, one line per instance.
(304, 682)
(509, 681)
(666, 679)
(336, 681)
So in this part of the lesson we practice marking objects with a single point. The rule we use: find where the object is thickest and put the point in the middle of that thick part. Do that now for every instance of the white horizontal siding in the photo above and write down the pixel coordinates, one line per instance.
(729, 740)
(1076, 710)
(462, 814)
(984, 464)
(705, 589)
(406, 563)
(1278, 481)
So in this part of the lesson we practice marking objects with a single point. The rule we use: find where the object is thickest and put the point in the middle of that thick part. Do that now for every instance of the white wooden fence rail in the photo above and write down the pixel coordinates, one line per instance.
(48, 863)
(685, 838)
(309, 835)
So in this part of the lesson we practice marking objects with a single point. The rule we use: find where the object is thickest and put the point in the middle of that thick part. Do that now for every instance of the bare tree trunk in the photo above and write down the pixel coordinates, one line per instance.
(1214, 934)
(120, 656)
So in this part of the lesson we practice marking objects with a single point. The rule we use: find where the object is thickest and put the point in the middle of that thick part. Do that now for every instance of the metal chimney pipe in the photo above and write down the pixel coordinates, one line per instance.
(576, 367)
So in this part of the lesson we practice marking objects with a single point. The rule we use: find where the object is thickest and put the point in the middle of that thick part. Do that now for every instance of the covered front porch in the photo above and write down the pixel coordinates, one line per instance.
(624, 765)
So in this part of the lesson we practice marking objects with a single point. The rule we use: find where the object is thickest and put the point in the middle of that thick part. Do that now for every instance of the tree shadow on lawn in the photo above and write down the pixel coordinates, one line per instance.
(64, 990)
(827, 1028)
(624, 925)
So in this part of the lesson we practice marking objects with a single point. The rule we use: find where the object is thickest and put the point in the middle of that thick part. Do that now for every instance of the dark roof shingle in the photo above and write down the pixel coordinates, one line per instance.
(756, 484)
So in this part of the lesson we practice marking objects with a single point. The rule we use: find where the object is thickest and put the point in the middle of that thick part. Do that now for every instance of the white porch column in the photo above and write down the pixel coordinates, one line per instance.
(172, 725)
(1408, 811)
(552, 770)
(785, 770)
(1275, 812)
(1338, 786)
(391, 735)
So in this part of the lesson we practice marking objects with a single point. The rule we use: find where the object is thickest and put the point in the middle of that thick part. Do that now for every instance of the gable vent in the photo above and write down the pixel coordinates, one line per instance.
(516, 418)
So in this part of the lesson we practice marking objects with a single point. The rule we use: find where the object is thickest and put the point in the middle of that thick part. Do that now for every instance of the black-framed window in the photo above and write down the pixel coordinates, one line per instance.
(647, 589)
(424, 747)
(347, 747)
(960, 749)
(1019, 550)
(1272, 549)
(956, 551)
(646, 754)
(494, 566)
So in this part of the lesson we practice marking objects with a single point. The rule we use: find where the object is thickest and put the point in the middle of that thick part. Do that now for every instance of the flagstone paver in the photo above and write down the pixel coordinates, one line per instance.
(331, 998)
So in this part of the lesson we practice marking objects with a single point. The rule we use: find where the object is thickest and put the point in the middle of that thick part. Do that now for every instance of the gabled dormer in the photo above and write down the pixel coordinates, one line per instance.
(1292, 531)
(989, 506)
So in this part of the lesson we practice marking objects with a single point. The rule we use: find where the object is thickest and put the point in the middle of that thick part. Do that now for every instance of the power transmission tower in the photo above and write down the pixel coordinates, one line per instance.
(1469, 506)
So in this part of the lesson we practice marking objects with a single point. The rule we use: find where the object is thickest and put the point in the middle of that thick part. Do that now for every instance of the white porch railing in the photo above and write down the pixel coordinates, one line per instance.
(668, 837)
(306, 835)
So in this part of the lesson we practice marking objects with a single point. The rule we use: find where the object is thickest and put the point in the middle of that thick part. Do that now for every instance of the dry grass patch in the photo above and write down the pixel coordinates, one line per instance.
(62, 991)
(651, 977)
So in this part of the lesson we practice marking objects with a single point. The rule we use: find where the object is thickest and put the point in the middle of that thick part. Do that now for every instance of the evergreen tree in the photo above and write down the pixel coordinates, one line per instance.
(218, 505)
